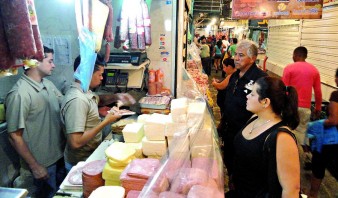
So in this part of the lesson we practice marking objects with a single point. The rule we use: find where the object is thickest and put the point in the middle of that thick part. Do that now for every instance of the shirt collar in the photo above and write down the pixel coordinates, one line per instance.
(250, 73)
(34, 84)
(89, 94)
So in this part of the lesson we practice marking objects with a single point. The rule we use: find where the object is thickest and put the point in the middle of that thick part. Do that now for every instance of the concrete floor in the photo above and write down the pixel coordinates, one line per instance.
(329, 187)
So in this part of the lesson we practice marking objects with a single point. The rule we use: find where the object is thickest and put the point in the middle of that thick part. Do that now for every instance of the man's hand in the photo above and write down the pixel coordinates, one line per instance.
(126, 99)
(316, 114)
(39, 172)
(112, 117)
(103, 111)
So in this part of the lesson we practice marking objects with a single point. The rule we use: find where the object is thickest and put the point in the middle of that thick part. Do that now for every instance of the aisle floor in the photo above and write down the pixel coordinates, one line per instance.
(329, 187)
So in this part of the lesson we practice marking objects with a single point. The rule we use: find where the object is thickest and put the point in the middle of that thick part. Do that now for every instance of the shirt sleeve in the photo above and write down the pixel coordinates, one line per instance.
(75, 115)
(17, 109)
(318, 92)
(286, 77)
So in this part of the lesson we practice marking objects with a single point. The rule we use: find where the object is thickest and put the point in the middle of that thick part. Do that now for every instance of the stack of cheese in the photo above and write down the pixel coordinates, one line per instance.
(178, 110)
(177, 129)
(136, 174)
(195, 113)
(119, 155)
(154, 144)
(133, 134)
(173, 128)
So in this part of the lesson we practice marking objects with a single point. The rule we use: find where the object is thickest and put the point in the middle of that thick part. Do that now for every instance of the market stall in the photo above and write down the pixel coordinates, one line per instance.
(173, 154)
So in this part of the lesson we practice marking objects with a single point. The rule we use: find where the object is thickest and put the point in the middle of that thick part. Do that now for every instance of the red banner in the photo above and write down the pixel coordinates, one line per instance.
(277, 9)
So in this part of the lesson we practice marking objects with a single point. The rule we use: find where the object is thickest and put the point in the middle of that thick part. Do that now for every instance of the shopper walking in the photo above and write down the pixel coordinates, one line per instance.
(304, 76)
(205, 56)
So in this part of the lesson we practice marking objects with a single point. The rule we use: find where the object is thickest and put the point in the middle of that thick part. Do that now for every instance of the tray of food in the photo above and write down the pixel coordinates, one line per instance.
(155, 102)
(73, 180)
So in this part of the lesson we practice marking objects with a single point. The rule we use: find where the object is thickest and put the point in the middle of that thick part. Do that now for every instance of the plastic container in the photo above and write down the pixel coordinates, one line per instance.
(151, 76)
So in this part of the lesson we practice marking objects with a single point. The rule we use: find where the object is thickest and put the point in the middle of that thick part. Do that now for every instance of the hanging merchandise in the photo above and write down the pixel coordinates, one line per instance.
(39, 55)
(146, 21)
(108, 31)
(132, 24)
(140, 29)
(18, 28)
(6, 59)
(20, 35)
(135, 30)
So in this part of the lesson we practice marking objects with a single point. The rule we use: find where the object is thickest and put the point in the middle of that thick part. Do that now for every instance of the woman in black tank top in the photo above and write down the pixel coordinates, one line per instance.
(266, 154)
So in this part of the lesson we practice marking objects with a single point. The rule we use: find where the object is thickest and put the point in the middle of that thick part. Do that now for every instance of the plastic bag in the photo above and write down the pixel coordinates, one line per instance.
(193, 161)
(87, 42)
(85, 70)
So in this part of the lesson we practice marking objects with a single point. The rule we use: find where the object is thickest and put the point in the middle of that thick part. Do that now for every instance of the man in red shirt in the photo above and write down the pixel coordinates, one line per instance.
(303, 76)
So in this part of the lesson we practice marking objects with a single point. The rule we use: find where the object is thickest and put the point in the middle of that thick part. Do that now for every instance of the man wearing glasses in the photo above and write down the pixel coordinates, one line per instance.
(240, 84)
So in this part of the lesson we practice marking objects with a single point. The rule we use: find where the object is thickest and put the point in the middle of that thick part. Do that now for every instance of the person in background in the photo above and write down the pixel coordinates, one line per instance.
(235, 114)
(80, 117)
(205, 56)
(304, 76)
(218, 55)
(229, 68)
(233, 46)
(329, 152)
(225, 43)
(196, 40)
(34, 127)
(266, 153)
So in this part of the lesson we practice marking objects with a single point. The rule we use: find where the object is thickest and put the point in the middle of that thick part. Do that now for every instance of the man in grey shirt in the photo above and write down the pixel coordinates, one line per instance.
(34, 127)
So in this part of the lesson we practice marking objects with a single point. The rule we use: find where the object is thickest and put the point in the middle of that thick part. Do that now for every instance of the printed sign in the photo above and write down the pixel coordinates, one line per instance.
(164, 56)
(162, 41)
(277, 9)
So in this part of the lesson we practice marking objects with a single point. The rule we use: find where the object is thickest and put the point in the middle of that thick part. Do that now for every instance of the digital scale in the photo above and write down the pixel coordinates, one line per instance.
(125, 75)
(116, 77)
(134, 58)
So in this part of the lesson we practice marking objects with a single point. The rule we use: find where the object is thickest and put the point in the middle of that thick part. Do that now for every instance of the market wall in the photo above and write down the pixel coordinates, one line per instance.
(319, 36)
(57, 25)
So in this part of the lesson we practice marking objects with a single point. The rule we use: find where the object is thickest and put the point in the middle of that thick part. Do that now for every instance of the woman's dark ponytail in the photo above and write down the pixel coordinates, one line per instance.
(290, 111)
(284, 100)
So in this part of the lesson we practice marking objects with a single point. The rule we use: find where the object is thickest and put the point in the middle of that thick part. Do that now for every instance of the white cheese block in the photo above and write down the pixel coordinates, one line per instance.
(153, 148)
(201, 137)
(155, 125)
(179, 106)
(138, 148)
(180, 143)
(195, 113)
(202, 151)
(178, 110)
(172, 128)
(142, 118)
(133, 132)
(108, 192)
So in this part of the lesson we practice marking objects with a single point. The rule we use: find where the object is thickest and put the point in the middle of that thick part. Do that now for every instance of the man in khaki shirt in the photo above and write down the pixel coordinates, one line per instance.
(80, 116)
(34, 127)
